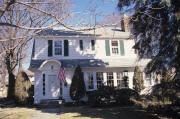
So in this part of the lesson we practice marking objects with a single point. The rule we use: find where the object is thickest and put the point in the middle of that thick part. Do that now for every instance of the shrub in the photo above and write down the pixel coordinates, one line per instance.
(124, 96)
(166, 110)
(102, 97)
(23, 91)
(138, 83)
(106, 96)
(166, 92)
(77, 88)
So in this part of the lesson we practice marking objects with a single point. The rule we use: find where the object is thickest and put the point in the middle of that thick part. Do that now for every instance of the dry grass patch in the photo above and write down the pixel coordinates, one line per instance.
(16, 113)
(104, 113)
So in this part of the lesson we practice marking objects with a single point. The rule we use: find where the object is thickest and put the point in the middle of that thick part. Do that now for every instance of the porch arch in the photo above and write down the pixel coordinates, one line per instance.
(47, 61)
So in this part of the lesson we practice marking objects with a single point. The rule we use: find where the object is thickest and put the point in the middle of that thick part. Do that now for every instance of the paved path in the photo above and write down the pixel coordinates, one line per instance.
(49, 113)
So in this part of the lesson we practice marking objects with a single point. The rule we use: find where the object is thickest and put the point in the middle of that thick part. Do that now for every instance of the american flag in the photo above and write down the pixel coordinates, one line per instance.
(62, 75)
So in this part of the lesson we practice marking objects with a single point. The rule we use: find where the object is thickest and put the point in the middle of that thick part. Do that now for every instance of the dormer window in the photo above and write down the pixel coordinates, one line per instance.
(58, 47)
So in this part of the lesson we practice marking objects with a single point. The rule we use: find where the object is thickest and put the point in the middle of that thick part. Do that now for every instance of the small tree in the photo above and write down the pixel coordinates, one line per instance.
(138, 83)
(77, 88)
(22, 87)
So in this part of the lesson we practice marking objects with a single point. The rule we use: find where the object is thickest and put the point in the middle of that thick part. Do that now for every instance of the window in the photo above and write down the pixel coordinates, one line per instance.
(125, 79)
(119, 79)
(120, 83)
(93, 45)
(58, 47)
(44, 91)
(125, 73)
(114, 47)
(81, 44)
(90, 80)
(110, 79)
(119, 75)
(99, 78)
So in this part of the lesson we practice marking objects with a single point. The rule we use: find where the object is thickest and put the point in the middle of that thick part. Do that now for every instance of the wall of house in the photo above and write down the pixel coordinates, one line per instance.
(69, 74)
(41, 49)
(119, 62)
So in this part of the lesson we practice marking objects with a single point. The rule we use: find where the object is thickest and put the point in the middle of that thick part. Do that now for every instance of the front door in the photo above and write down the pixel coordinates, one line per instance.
(54, 87)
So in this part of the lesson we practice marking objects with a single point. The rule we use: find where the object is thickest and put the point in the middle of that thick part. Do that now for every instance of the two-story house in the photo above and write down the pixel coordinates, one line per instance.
(105, 56)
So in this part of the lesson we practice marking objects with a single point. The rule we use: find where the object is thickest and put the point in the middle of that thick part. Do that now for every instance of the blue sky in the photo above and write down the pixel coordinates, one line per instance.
(83, 8)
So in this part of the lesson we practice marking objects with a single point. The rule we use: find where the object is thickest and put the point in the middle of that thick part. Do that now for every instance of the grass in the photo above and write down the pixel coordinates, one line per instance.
(84, 112)
(16, 113)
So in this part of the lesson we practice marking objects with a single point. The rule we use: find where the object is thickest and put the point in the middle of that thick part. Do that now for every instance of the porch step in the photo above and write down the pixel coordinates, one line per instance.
(50, 103)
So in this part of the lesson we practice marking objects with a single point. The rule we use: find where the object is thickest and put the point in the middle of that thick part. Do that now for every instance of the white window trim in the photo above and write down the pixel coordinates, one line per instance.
(62, 47)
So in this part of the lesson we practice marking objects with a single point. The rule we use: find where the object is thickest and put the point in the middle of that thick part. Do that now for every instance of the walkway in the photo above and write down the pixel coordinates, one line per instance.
(48, 113)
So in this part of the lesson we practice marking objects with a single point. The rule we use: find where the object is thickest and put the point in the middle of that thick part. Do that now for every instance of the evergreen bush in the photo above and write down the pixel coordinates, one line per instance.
(138, 83)
(77, 88)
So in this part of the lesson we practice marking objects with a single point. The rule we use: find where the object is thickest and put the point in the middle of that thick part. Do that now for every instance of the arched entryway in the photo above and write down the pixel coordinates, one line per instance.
(51, 86)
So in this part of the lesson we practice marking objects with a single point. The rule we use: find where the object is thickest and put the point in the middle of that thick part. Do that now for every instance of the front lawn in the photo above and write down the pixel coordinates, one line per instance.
(16, 113)
(84, 112)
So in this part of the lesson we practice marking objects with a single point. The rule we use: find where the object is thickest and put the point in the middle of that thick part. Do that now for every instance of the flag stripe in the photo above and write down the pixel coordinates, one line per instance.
(61, 74)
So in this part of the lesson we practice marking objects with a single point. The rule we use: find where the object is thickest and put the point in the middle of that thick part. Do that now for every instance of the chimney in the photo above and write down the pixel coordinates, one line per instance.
(125, 23)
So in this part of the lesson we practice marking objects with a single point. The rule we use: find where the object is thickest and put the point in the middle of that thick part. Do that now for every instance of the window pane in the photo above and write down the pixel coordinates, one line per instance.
(90, 81)
(110, 79)
(99, 78)
(58, 51)
(119, 75)
(115, 50)
(58, 43)
(114, 43)
(58, 47)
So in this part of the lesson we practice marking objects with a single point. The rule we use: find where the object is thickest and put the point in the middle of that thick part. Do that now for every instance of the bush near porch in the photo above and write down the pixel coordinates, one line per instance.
(108, 96)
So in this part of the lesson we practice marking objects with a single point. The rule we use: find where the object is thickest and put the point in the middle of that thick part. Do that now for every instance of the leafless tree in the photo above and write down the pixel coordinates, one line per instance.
(19, 21)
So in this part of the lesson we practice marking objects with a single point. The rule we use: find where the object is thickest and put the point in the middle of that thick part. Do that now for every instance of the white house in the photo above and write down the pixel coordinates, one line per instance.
(105, 56)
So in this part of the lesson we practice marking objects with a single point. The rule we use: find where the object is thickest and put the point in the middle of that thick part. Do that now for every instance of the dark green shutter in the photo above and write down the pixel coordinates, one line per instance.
(66, 48)
(107, 47)
(122, 47)
(93, 44)
(81, 44)
(50, 48)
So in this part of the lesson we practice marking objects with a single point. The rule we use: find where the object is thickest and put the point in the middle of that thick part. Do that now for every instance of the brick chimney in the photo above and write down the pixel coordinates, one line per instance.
(125, 23)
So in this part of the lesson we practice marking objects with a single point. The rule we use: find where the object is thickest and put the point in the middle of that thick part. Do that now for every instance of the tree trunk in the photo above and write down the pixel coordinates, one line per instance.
(11, 86)
(11, 78)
